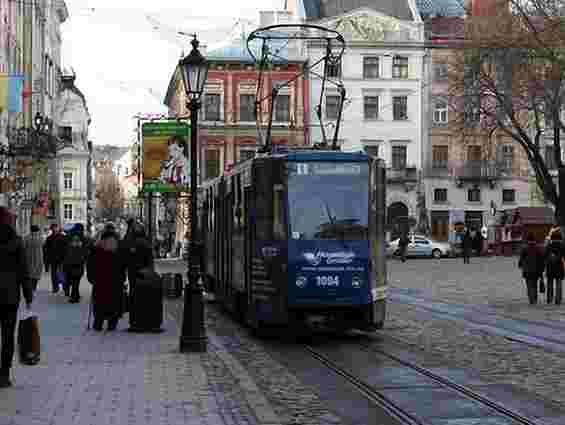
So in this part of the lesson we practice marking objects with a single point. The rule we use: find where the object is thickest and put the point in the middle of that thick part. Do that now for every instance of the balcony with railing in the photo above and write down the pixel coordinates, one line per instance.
(402, 175)
(437, 168)
(479, 170)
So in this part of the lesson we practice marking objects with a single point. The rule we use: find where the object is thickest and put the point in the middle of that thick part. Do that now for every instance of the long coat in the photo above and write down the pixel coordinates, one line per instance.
(14, 276)
(106, 271)
(33, 247)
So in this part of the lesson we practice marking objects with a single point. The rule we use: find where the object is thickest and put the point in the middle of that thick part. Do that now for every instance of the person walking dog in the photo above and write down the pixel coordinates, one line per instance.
(14, 279)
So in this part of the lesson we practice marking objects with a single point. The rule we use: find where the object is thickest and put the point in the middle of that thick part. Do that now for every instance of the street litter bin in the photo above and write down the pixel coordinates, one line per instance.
(147, 302)
(172, 285)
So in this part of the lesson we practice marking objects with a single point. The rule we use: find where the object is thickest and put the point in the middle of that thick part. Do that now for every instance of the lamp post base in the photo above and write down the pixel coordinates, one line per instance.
(193, 344)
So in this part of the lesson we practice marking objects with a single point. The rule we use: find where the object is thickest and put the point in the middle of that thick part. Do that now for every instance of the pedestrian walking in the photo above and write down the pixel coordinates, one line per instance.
(403, 246)
(14, 279)
(554, 269)
(106, 272)
(55, 248)
(467, 246)
(33, 248)
(532, 263)
(73, 266)
(138, 255)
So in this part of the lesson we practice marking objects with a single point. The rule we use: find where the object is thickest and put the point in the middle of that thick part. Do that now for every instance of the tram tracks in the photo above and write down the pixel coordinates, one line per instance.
(395, 409)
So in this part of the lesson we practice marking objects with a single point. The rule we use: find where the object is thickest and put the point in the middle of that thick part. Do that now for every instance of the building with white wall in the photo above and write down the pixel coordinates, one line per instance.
(69, 181)
(382, 72)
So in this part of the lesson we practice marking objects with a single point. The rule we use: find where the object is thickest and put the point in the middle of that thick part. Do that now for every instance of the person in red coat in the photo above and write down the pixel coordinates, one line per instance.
(106, 271)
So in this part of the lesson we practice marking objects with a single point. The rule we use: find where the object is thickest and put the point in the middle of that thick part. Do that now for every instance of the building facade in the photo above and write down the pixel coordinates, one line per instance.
(227, 124)
(483, 172)
(382, 72)
(30, 58)
(69, 183)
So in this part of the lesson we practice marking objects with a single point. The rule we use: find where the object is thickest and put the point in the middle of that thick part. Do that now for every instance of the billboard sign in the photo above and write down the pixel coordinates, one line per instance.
(166, 162)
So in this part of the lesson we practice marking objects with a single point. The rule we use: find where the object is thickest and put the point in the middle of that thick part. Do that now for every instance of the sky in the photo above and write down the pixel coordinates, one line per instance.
(125, 51)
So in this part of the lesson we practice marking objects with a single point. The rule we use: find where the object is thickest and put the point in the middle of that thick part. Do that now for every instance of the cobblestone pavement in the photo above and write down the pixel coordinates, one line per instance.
(294, 402)
(494, 283)
(90, 378)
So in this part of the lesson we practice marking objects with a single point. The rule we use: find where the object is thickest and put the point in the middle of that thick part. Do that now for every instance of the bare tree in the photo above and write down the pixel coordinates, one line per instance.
(507, 75)
(109, 195)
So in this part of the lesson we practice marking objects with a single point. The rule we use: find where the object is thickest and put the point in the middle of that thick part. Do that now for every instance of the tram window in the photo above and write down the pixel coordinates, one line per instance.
(329, 206)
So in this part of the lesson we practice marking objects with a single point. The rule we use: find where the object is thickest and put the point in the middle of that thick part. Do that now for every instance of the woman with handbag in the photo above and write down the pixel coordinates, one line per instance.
(14, 279)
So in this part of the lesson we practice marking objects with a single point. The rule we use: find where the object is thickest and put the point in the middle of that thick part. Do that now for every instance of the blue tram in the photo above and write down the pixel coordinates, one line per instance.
(297, 237)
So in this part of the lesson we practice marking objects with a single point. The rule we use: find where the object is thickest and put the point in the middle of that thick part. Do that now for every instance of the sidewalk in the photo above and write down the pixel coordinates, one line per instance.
(111, 378)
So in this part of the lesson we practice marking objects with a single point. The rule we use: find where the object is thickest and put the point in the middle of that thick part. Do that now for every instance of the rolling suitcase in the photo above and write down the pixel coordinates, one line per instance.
(146, 303)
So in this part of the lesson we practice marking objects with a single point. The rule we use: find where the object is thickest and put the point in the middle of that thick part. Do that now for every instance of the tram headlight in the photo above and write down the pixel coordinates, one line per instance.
(301, 281)
(356, 282)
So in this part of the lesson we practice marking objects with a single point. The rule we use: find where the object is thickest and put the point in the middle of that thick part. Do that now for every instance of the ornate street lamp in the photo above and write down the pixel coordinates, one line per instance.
(194, 71)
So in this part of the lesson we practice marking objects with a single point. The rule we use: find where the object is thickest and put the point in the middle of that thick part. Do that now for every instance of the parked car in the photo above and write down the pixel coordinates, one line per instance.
(421, 246)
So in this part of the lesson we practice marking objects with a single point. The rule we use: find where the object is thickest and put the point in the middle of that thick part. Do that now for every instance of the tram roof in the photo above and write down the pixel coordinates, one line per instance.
(320, 155)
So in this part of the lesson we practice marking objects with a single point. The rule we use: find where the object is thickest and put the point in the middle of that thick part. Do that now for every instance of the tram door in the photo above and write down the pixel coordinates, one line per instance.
(249, 238)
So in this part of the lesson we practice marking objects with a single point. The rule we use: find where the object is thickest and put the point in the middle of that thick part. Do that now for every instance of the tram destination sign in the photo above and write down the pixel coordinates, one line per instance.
(325, 168)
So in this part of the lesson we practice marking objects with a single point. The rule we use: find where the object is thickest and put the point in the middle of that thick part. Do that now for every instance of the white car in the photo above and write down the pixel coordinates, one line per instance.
(421, 246)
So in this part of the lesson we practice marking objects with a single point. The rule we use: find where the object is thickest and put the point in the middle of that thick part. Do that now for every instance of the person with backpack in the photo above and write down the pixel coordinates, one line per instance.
(532, 263)
(73, 266)
(554, 269)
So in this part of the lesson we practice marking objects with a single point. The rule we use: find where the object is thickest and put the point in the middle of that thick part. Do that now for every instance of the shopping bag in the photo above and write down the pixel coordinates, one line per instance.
(29, 344)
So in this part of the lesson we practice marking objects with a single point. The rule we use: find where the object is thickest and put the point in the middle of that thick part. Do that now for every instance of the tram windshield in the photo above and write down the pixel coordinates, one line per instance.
(328, 200)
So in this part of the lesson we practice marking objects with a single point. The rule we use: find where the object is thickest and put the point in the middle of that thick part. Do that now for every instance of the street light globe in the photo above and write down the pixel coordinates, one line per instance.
(194, 71)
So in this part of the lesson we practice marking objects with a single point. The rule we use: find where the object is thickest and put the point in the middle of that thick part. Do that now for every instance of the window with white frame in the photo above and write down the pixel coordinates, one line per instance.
(371, 67)
(332, 106)
(400, 67)
(67, 180)
(247, 107)
(440, 71)
(440, 196)
(282, 108)
(399, 154)
(371, 107)
(400, 108)
(68, 211)
(474, 195)
(212, 107)
(440, 111)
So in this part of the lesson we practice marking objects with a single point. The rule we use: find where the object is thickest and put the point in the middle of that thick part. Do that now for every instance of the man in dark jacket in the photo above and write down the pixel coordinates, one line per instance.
(55, 249)
(13, 280)
(532, 263)
(467, 246)
(554, 269)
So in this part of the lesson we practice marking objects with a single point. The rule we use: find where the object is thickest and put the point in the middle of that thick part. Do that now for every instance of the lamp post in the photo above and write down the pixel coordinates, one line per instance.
(194, 71)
